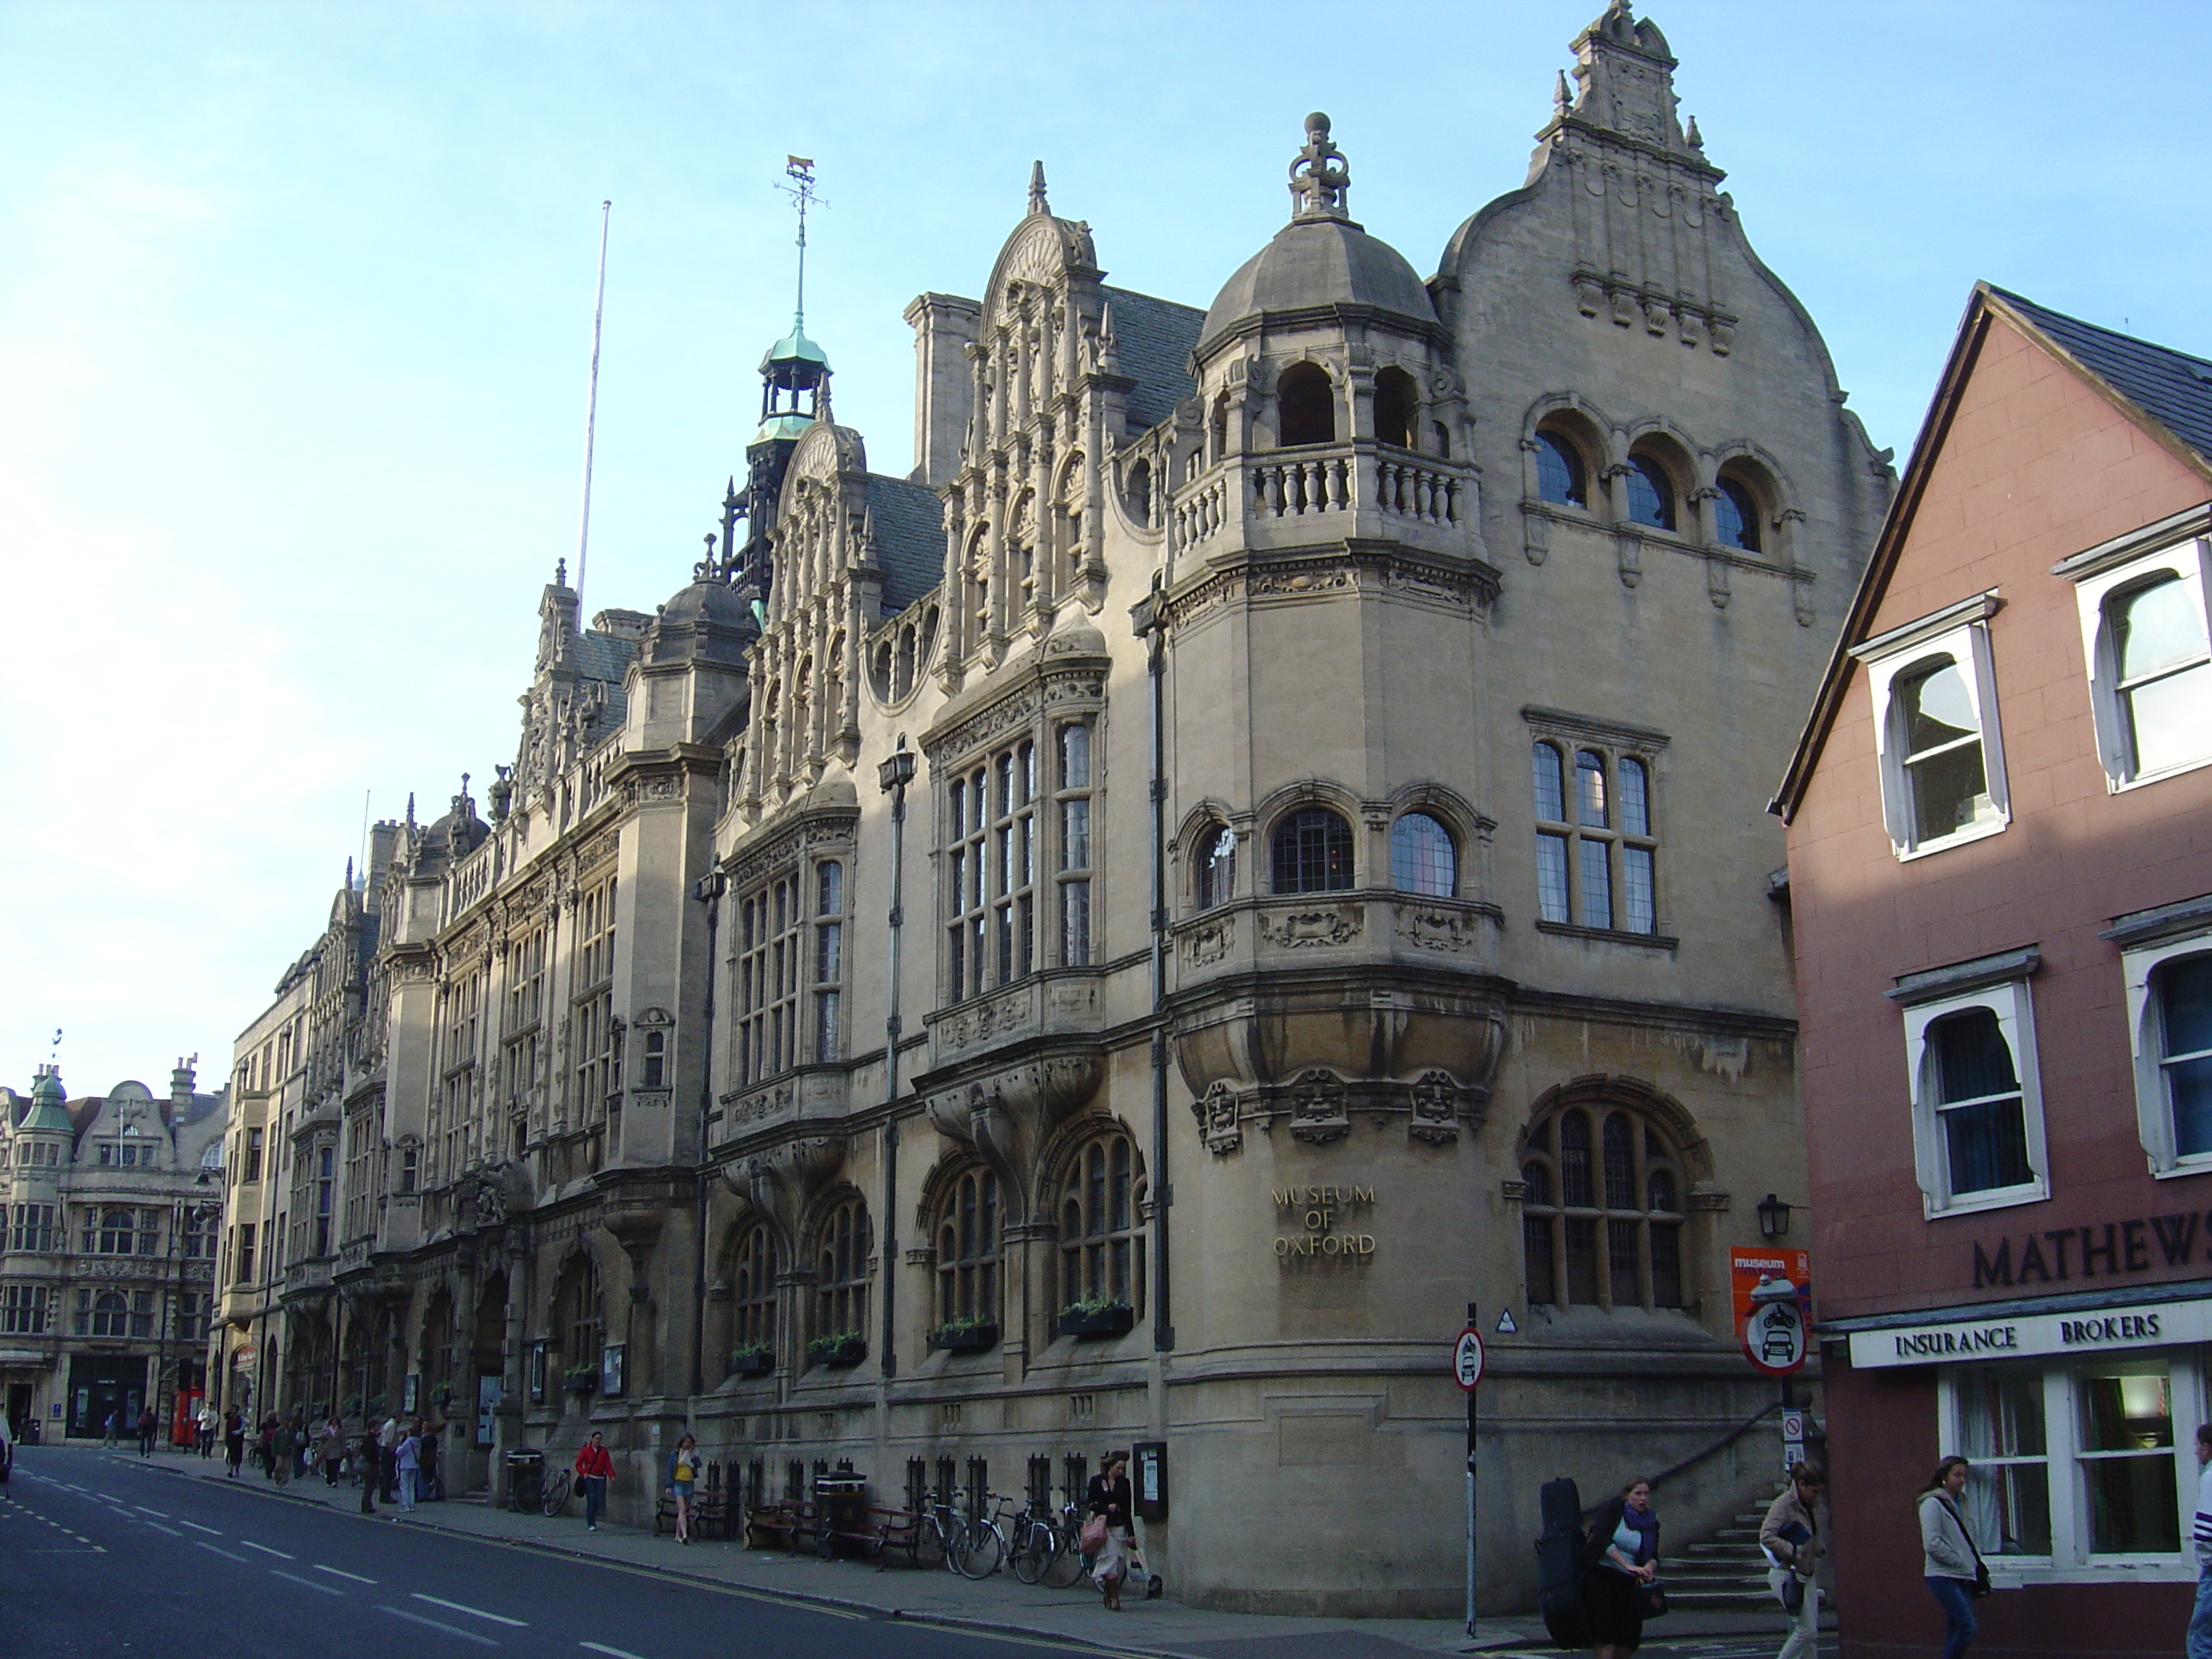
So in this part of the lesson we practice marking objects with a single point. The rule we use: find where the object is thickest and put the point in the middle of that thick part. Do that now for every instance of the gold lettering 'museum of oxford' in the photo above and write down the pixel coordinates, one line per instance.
(1121, 932)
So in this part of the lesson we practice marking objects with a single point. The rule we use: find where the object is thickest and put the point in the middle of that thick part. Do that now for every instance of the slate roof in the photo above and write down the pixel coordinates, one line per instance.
(909, 523)
(2172, 387)
(601, 656)
(1154, 339)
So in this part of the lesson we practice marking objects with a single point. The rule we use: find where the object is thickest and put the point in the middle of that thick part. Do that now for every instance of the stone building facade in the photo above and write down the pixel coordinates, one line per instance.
(1121, 933)
(113, 1208)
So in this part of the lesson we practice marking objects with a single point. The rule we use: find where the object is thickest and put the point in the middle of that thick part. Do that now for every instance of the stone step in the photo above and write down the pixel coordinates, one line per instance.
(1715, 1600)
(1706, 1568)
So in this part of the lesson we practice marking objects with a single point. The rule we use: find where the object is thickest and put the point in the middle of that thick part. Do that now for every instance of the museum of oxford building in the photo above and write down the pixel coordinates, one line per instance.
(1118, 934)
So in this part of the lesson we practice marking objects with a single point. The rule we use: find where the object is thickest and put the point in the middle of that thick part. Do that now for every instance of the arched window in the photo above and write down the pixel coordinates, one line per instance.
(1980, 1112)
(1137, 491)
(2162, 673)
(118, 1236)
(1938, 732)
(968, 1252)
(1217, 428)
(1650, 493)
(1397, 401)
(2181, 997)
(1312, 853)
(578, 1318)
(840, 1261)
(656, 1061)
(1306, 406)
(1422, 857)
(1217, 867)
(752, 1289)
(1560, 477)
(111, 1314)
(1102, 1244)
(1735, 517)
(1600, 1212)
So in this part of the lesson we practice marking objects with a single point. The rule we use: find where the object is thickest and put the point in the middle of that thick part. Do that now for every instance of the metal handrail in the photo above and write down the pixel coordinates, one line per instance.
(1721, 1445)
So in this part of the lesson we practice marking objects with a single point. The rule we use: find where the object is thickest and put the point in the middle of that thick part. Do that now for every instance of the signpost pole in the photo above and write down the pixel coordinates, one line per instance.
(1472, 1394)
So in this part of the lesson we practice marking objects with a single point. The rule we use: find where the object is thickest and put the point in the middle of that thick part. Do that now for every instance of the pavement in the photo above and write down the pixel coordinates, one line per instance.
(1001, 1606)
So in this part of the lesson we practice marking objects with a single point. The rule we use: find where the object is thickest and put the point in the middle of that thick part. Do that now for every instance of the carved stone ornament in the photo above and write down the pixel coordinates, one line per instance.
(1436, 1109)
(1437, 929)
(1210, 941)
(1317, 1109)
(1292, 930)
(1217, 1119)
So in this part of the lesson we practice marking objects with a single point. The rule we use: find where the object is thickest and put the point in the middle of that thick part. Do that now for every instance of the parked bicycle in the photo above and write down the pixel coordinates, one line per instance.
(1069, 1563)
(943, 1533)
(986, 1539)
(558, 1486)
(1034, 1544)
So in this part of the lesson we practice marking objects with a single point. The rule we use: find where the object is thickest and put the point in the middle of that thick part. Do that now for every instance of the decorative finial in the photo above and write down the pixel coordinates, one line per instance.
(1693, 137)
(1320, 177)
(704, 570)
(1038, 203)
(1563, 97)
(560, 573)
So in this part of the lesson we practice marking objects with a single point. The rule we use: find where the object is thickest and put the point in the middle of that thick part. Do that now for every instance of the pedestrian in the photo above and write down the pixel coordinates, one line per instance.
(303, 1445)
(147, 1424)
(114, 1422)
(1620, 1563)
(334, 1447)
(387, 1440)
(281, 1451)
(595, 1466)
(430, 1485)
(2200, 1622)
(683, 1472)
(1790, 1535)
(233, 1443)
(367, 1452)
(409, 1459)
(1950, 1560)
(207, 1425)
(1110, 1498)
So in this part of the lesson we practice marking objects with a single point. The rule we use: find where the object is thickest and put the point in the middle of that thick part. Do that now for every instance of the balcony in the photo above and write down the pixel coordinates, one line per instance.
(1294, 497)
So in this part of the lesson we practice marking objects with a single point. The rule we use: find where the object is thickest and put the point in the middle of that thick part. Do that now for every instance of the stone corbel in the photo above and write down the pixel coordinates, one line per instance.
(782, 1181)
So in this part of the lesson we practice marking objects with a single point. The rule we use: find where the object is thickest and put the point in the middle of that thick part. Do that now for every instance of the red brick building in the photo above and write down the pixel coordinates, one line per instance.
(2000, 827)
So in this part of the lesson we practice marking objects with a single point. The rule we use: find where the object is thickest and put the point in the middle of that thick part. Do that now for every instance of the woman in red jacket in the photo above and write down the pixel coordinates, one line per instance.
(595, 1466)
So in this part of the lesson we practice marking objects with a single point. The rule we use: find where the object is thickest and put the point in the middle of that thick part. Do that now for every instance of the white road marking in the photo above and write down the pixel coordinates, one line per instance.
(450, 1630)
(231, 1554)
(265, 1550)
(339, 1572)
(612, 1653)
(158, 1526)
(279, 1572)
(142, 1510)
(474, 1613)
(196, 1527)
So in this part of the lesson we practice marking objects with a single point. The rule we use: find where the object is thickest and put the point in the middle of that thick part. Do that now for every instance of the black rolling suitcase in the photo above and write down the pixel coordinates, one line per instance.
(1558, 1554)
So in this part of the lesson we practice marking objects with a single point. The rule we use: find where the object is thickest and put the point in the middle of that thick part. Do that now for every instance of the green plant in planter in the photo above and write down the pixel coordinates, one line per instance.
(1097, 1316)
(581, 1379)
(966, 1335)
(752, 1360)
(843, 1348)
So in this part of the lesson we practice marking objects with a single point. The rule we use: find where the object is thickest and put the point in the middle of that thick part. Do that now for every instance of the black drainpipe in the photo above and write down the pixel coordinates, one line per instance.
(894, 774)
(1152, 621)
(708, 890)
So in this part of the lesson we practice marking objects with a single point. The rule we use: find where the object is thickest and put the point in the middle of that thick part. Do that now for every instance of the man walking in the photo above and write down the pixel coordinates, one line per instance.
(233, 1443)
(370, 1454)
(146, 1426)
(114, 1422)
(387, 1441)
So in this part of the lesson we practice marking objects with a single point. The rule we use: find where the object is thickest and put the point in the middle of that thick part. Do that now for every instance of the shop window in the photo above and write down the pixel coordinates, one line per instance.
(1423, 858)
(1311, 851)
(1977, 1101)
(2127, 1463)
(2143, 630)
(1600, 1214)
(2008, 1495)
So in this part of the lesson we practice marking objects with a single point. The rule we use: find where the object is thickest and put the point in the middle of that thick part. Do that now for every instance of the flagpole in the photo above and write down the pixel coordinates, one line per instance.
(592, 408)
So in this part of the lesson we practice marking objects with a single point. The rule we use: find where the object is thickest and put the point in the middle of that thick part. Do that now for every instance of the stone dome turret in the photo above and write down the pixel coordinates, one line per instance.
(1320, 262)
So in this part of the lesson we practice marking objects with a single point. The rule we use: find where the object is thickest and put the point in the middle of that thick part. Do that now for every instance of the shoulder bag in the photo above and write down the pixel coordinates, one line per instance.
(1980, 1587)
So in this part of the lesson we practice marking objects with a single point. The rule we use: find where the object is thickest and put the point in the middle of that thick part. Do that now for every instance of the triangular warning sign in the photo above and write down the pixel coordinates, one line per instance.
(1505, 1325)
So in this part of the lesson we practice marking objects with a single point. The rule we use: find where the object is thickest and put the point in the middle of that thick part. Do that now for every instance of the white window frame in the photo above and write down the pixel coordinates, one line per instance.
(2146, 1039)
(2070, 1561)
(1961, 633)
(2008, 999)
(2179, 545)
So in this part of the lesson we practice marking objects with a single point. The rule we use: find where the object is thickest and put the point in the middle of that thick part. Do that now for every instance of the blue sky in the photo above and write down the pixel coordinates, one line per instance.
(294, 313)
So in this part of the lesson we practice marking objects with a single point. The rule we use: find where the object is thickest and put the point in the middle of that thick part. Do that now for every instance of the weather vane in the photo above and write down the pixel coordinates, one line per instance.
(800, 170)
(54, 1051)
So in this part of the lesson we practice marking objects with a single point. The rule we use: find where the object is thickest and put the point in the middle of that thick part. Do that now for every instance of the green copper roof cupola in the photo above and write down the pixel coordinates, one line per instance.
(795, 374)
(48, 1103)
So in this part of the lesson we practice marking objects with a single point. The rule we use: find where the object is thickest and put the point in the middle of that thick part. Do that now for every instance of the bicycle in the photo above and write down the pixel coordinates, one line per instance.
(987, 1540)
(1035, 1543)
(557, 1488)
(943, 1531)
(1069, 1563)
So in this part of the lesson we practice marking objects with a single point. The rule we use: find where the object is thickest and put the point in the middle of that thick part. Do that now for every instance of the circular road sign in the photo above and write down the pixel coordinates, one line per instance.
(1774, 1337)
(1467, 1359)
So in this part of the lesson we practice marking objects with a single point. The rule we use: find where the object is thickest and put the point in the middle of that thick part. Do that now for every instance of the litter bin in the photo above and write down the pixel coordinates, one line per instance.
(525, 1479)
(841, 1505)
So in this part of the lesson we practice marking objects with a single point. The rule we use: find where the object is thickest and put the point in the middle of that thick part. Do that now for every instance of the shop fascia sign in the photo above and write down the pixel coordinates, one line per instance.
(2021, 1336)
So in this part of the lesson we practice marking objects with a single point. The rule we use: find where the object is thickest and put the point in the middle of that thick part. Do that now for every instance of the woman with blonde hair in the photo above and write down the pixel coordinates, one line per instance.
(1949, 1558)
(1620, 1567)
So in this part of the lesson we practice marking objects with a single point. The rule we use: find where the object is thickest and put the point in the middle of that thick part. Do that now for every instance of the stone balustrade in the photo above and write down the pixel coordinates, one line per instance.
(1397, 491)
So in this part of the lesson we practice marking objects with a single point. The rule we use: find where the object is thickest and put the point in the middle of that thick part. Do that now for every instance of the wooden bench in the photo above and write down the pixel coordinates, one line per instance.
(897, 1529)
(789, 1524)
(709, 1513)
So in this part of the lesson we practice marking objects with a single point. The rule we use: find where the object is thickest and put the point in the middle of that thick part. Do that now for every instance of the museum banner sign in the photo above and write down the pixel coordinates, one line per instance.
(2020, 1336)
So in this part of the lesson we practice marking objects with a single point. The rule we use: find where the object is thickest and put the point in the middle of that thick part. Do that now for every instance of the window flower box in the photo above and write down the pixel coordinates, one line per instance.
(757, 1361)
(1095, 1319)
(966, 1335)
(847, 1348)
(581, 1379)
